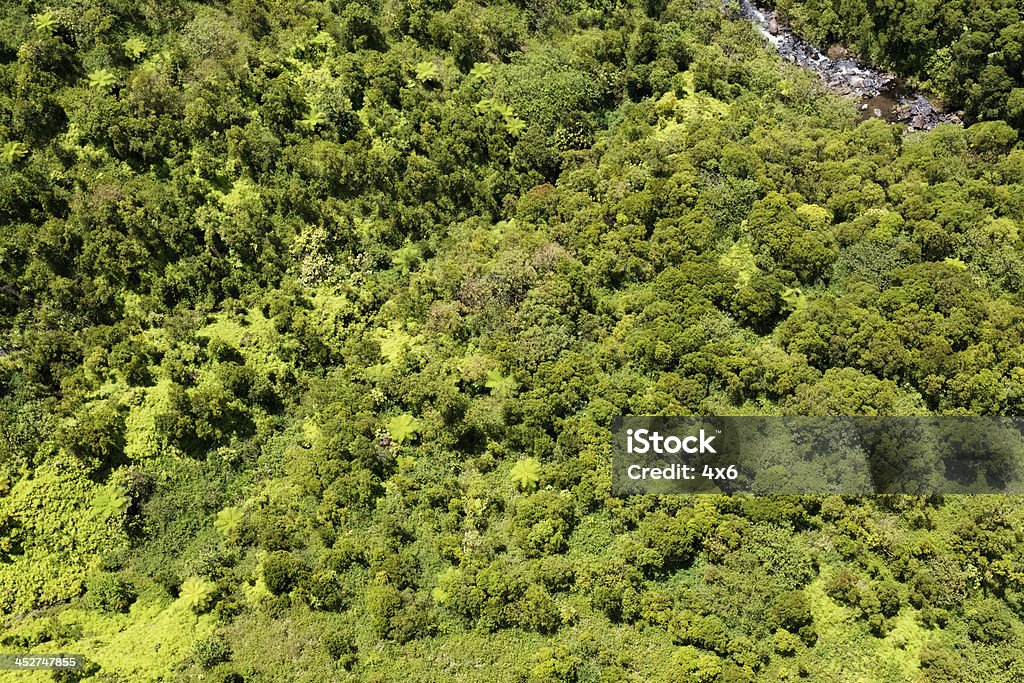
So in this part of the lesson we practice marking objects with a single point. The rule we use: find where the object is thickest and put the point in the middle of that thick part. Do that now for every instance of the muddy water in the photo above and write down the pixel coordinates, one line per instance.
(878, 94)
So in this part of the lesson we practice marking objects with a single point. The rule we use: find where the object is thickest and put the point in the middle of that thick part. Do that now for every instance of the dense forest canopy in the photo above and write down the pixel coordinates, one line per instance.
(969, 51)
(314, 317)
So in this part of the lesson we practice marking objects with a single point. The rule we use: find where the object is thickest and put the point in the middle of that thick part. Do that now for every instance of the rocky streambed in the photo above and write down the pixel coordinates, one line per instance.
(878, 94)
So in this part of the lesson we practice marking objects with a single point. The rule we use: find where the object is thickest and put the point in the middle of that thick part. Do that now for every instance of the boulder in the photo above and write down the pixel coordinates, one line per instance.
(837, 51)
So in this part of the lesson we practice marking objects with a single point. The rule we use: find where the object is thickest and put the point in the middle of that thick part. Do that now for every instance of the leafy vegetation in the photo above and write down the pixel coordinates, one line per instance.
(314, 318)
(969, 52)
(196, 594)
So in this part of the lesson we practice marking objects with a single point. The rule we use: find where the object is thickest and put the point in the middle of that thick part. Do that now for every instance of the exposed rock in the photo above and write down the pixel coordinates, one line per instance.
(837, 51)
(880, 93)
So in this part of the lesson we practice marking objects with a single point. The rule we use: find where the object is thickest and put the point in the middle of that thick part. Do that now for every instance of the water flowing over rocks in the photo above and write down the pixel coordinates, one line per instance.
(880, 95)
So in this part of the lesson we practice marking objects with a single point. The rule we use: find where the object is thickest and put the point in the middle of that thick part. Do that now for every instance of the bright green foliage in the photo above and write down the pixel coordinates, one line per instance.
(228, 520)
(134, 48)
(44, 21)
(33, 570)
(403, 428)
(793, 297)
(13, 151)
(526, 473)
(296, 316)
(449, 583)
(395, 343)
(313, 119)
(481, 71)
(426, 72)
(969, 54)
(514, 125)
(406, 257)
(499, 384)
(740, 259)
(196, 593)
(109, 501)
(101, 79)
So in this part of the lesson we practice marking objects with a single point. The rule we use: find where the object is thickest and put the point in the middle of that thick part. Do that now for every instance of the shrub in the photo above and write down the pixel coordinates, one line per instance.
(382, 604)
(281, 572)
(341, 648)
(938, 665)
(110, 592)
(209, 652)
(537, 611)
(324, 591)
(990, 621)
(792, 612)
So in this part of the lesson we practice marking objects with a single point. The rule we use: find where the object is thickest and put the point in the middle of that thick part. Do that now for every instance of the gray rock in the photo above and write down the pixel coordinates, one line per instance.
(846, 76)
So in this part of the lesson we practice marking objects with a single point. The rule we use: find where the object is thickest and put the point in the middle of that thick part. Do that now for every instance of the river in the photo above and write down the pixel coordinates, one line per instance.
(878, 94)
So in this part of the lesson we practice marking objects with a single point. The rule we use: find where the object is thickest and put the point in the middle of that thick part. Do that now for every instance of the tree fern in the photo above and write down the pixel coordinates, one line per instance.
(101, 79)
(313, 120)
(394, 344)
(134, 48)
(44, 22)
(228, 520)
(794, 297)
(526, 473)
(514, 126)
(109, 502)
(196, 594)
(481, 71)
(403, 427)
(426, 71)
(499, 384)
(483, 106)
(13, 151)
